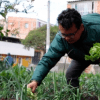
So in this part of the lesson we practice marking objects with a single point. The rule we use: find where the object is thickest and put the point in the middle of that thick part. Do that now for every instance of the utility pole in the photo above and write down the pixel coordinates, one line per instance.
(48, 28)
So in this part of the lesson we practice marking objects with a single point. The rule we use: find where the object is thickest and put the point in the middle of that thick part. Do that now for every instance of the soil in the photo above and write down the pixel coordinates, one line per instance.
(90, 98)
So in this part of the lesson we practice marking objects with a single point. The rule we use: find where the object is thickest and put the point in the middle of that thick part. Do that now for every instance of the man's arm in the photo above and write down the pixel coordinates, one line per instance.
(49, 60)
(55, 52)
(33, 85)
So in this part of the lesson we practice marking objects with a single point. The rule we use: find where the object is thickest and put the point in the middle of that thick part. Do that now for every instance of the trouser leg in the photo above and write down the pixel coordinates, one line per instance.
(74, 71)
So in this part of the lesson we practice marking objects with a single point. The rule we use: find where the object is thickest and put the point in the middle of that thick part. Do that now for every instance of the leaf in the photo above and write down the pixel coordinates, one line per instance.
(8, 30)
(1, 34)
(94, 52)
(1, 28)
(37, 37)
(3, 14)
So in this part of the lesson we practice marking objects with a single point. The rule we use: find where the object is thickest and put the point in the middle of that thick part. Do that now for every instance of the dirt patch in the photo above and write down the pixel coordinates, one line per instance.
(90, 98)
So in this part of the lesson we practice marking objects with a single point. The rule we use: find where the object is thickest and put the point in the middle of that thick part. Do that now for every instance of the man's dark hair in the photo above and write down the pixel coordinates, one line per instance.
(67, 17)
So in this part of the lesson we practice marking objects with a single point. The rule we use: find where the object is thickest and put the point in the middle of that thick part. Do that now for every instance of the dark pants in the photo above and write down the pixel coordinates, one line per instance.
(74, 71)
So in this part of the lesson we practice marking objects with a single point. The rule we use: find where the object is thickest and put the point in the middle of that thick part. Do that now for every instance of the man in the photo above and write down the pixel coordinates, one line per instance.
(8, 60)
(75, 37)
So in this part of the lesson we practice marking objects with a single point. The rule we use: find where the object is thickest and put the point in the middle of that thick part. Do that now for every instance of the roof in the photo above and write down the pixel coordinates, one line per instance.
(15, 49)
(71, 1)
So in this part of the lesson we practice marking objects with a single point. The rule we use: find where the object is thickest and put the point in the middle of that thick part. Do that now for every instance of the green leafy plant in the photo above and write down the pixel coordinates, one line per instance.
(30, 94)
(12, 80)
(13, 85)
(94, 52)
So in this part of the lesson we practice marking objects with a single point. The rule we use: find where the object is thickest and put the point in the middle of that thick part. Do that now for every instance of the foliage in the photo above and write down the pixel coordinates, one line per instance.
(2, 66)
(94, 52)
(11, 7)
(6, 7)
(1, 34)
(13, 80)
(30, 94)
(54, 87)
(37, 37)
(13, 85)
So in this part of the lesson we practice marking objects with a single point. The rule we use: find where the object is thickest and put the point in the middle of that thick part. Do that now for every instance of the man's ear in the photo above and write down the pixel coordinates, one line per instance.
(82, 27)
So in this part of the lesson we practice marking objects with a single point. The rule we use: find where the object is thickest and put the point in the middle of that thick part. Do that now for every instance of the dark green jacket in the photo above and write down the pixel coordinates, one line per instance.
(76, 51)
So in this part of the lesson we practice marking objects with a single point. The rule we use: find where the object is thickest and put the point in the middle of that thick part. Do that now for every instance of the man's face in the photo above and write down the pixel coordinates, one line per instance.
(71, 35)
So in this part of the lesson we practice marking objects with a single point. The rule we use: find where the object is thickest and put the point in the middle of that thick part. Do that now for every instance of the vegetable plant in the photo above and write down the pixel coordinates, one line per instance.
(94, 52)
(13, 85)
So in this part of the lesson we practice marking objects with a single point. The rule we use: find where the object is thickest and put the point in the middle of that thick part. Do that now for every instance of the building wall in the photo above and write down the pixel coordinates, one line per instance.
(23, 60)
(21, 56)
(23, 25)
(18, 60)
(96, 5)
(20, 26)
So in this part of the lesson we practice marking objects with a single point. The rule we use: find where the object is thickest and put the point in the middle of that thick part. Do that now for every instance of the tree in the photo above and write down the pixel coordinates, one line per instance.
(37, 38)
(6, 7)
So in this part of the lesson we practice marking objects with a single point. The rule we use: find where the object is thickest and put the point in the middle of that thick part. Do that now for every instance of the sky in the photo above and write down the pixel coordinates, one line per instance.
(40, 9)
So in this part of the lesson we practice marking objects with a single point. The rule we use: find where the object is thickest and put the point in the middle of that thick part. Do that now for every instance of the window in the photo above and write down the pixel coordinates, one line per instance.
(11, 23)
(13, 35)
(26, 25)
(27, 58)
(36, 58)
(39, 24)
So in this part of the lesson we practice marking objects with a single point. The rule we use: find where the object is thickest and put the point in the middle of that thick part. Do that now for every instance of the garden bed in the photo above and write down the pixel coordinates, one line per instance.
(53, 87)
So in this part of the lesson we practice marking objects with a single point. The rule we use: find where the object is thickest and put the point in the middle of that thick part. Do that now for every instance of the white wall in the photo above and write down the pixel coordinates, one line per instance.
(15, 49)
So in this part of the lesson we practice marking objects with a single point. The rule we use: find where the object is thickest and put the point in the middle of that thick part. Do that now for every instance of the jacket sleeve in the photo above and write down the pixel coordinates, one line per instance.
(55, 52)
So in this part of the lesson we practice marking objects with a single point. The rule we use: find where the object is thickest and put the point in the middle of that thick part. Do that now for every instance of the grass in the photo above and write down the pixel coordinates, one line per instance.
(53, 87)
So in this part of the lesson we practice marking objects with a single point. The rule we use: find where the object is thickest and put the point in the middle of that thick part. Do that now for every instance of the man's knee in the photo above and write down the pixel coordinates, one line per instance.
(69, 74)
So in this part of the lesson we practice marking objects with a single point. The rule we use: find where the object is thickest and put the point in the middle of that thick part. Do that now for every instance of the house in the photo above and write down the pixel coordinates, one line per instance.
(21, 55)
(20, 26)
(85, 6)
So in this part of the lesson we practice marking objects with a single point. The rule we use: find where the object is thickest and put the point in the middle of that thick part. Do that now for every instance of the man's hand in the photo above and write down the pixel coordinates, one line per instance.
(33, 85)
